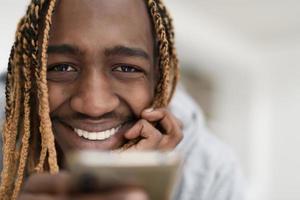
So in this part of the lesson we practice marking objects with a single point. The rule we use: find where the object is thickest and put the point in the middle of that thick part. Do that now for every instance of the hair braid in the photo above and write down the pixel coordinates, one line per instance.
(8, 86)
(30, 48)
(45, 126)
(168, 22)
(23, 58)
(10, 130)
(168, 63)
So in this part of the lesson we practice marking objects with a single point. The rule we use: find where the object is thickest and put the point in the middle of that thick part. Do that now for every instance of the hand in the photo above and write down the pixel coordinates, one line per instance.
(150, 137)
(59, 187)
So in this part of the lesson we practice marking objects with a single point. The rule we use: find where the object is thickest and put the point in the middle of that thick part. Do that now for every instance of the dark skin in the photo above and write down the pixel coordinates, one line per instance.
(102, 78)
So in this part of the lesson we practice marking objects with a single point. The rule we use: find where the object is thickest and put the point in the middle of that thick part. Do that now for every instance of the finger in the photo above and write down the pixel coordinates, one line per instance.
(174, 134)
(47, 183)
(134, 132)
(172, 127)
(160, 115)
(122, 193)
(179, 122)
(153, 115)
(29, 196)
(170, 124)
(168, 143)
(150, 136)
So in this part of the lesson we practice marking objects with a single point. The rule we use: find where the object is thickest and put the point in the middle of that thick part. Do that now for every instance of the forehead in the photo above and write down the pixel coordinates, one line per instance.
(109, 22)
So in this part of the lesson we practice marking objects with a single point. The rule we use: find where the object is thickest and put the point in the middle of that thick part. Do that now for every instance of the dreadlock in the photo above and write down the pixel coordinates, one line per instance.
(26, 83)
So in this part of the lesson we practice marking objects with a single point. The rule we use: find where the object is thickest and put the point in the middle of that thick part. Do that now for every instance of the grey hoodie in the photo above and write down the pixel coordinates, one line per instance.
(210, 170)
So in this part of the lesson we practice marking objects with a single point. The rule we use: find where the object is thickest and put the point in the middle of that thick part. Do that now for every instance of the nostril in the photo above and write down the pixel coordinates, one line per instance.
(94, 106)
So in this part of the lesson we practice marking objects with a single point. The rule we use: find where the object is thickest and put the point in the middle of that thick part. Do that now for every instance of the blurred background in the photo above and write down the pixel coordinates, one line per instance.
(240, 59)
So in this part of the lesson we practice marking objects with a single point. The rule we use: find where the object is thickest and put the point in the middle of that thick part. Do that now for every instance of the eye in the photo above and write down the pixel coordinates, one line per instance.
(61, 68)
(62, 72)
(126, 69)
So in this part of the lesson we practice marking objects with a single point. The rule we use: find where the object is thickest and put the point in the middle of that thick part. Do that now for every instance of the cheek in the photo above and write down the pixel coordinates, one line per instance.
(57, 95)
(137, 96)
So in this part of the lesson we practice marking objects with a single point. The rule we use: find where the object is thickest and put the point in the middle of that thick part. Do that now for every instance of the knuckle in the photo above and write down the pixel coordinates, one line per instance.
(162, 112)
(179, 123)
(158, 135)
(143, 122)
(180, 136)
(165, 112)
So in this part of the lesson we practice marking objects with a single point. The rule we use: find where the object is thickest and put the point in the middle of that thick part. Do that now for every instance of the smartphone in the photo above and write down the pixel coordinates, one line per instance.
(156, 172)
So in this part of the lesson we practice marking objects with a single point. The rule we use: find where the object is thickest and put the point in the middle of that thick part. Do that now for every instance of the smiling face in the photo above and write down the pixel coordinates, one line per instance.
(101, 73)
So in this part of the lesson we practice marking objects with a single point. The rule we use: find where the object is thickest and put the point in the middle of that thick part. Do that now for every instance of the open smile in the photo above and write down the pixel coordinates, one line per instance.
(101, 135)
(83, 135)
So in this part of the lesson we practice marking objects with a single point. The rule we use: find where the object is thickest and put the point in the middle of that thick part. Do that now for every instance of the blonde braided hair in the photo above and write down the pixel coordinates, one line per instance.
(27, 82)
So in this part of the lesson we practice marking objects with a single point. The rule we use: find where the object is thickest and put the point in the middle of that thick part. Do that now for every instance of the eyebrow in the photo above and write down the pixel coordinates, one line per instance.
(64, 49)
(114, 51)
(127, 51)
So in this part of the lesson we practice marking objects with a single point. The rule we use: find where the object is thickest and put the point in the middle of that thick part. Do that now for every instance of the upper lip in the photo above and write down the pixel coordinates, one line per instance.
(92, 127)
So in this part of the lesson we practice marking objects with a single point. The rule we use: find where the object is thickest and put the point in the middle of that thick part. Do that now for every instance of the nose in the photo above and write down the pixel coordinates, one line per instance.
(94, 96)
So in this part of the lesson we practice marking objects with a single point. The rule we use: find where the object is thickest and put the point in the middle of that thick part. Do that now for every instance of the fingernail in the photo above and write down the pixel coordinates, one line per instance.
(148, 110)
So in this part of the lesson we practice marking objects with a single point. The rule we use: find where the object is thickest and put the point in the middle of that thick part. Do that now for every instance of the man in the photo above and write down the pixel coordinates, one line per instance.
(86, 74)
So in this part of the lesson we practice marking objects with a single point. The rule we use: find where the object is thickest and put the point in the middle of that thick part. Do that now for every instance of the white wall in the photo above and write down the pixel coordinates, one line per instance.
(250, 50)
(10, 12)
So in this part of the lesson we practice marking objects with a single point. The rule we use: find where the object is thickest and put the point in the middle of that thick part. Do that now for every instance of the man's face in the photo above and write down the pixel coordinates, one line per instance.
(101, 73)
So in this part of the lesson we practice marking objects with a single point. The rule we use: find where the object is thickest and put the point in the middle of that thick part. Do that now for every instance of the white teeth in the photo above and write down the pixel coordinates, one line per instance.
(93, 136)
(108, 133)
(85, 134)
(102, 135)
(79, 132)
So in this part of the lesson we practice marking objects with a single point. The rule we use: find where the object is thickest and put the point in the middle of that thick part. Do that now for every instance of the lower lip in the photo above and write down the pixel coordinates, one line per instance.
(69, 138)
